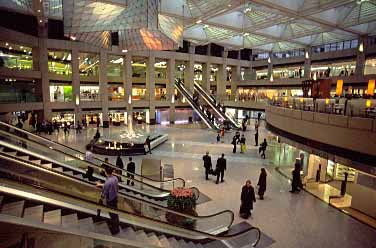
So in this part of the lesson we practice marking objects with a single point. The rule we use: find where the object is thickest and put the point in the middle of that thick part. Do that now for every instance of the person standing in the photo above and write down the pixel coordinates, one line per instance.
(79, 128)
(256, 137)
(218, 138)
(131, 168)
(223, 134)
(120, 165)
(296, 183)
(247, 199)
(147, 143)
(258, 116)
(243, 147)
(110, 196)
(207, 165)
(220, 168)
(262, 184)
(234, 141)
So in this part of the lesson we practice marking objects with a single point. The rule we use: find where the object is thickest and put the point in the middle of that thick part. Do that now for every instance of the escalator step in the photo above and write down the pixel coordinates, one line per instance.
(69, 220)
(34, 213)
(24, 157)
(59, 169)
(86, 224)
(102, 228)
(128, 233)
(13, 208)
(69, 173)
(141, 235)
(53, 217)
(36, 161)
(79, 176)
(48, 166)
(173, 242)
(183, 244)
(164, 241)
(11, 153)
(153, 240)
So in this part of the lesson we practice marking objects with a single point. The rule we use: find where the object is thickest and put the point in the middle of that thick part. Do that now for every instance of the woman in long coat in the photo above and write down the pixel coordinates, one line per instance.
(262, 184)
(247, 200)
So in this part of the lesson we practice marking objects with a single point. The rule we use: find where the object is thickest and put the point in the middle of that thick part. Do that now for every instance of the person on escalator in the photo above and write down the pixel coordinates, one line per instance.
(131, 168)
(110, 197)
(104, 167)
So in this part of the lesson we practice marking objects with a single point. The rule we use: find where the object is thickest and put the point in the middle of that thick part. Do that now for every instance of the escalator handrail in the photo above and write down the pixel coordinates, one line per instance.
(102, 161)
(179, 86)
(91, 184)
(211, 103)
(96, 166)
(98, 177)
(103, 207)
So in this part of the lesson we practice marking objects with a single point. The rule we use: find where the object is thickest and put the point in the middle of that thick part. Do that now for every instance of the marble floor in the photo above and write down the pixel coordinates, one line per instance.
(292, 220)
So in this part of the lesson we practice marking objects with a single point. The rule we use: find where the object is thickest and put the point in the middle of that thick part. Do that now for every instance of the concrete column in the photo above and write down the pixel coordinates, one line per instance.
(225, 53)
(171, 88)
(221, 82)
(191, 49)
(103, 86)
(42, 64)
(206, 77)
(189, 74)
(270, 65)
(360, 57)
(76, 82)
(234, 81)
(307, 62)
(208, 51)
(127, 82)
(150, 87)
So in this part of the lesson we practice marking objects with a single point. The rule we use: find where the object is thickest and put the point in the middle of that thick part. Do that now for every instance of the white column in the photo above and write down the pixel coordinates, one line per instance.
(103, 87)
(127, 82)
(171, 88)
(189, 74)
(150, 87)
(76, 82)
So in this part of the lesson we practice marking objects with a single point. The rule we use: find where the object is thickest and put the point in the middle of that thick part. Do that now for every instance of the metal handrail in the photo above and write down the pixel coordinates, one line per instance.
(92, 164)
(89, 184)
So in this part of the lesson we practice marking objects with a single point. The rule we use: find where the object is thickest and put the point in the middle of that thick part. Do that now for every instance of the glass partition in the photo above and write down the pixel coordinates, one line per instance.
(370, 66)
(14, 56)
(59, 62)
(88, 64)
(160, 68)
(139, 68)
(18, 91)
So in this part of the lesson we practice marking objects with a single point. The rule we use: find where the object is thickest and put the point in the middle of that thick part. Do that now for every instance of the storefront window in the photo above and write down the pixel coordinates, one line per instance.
(262, 74)
(14, 56)
(288, 72)
(88, 64)
(89, 93)
(198, 72)
(370, 66)
(139, 68)
(115, 66)
(63, 118)
(61, 93)
(160, 69)
(117, 118)
(334, 69)
(17, 91)
(59, 62)
(160, 94)
(116, 93)
(138, 93)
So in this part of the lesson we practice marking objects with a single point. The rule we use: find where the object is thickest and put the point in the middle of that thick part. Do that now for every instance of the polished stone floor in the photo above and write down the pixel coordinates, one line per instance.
(292, 220)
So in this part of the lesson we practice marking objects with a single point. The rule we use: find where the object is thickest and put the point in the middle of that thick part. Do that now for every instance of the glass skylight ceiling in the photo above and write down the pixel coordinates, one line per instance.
(258, 24)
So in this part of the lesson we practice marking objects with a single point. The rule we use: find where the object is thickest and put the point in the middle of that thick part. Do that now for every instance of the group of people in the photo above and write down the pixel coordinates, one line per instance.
(220, 167)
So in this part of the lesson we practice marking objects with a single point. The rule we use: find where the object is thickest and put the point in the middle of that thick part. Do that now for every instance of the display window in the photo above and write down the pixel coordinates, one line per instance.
(61, 93)
(63, 118)
(59, 62)
(138, 93)
(116, 93)
(15, 56)
(89, 93)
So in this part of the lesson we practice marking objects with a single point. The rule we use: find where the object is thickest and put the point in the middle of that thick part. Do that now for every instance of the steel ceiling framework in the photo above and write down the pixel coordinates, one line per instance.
(271, 25)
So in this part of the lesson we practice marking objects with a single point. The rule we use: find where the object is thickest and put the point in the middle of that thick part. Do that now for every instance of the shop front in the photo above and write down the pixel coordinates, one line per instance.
(63, 117)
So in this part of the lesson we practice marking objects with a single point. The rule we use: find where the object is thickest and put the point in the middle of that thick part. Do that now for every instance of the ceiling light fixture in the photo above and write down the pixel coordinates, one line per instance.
(72, 37)
(206, 26)
(269, 60)
(198, 21)
(7, 44)
(40, 21)
(361, 47)
(245, 34)
(124, 50)
(249, 9)
(229, 5)
(306, 55)
(271, 78)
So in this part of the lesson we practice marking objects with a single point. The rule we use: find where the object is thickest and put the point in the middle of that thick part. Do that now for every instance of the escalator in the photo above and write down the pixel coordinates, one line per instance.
(45, 199)
(212, 123)
(211, 102)
(48, 154)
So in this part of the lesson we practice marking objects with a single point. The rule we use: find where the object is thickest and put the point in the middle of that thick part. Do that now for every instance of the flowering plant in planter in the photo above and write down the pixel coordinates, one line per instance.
(181, 200)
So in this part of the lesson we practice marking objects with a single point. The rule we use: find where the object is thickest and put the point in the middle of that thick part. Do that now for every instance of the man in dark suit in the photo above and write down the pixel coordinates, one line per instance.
(131, 167)
(220, 168)
(207, 165)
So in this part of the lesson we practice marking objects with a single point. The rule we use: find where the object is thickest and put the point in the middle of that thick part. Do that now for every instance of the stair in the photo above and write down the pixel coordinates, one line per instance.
(70, 220)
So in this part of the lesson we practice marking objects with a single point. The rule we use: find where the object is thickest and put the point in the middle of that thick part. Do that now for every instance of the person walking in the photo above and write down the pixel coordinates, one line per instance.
(223, 134)
(218, 138)
(79, 128)
(207, 165)
(262, 148)
(258, 116)
(131, 168)
(247, 199)
(110, 196)
(220, 168)
(256, 137)
(66, 128)
(243, 147)
(147, 143)
(262, 184)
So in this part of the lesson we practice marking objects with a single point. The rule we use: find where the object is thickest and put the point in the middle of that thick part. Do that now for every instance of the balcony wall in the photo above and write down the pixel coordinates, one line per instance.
(350, 133)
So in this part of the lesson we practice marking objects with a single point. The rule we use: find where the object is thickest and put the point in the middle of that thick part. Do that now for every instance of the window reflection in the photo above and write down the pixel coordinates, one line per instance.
(14, 56)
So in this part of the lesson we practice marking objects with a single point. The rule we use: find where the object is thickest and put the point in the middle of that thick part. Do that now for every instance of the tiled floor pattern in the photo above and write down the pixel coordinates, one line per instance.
(292, 220)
